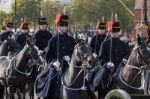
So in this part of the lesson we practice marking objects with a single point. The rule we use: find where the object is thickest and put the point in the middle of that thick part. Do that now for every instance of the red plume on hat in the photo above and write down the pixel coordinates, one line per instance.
(21, 23)
(58, 16)
(109, 25)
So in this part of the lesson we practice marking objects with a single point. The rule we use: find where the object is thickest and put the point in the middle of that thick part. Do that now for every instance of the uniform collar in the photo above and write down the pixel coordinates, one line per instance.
(43, 30)
(63, 35)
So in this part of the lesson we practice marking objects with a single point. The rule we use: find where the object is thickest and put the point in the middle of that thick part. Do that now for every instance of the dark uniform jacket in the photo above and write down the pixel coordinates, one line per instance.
(119, 50)
(96, 42)
(42, 38)
(22, 38)
(66, 47)
(6, 35)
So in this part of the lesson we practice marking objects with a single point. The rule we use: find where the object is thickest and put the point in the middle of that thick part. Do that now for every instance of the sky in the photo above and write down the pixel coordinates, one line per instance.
(5, 5)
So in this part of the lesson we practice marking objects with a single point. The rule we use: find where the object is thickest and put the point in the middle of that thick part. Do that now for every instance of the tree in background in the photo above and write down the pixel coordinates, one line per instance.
(49, 10)
(27, 9)
(81, 12)
(2, 17)
(86, 12)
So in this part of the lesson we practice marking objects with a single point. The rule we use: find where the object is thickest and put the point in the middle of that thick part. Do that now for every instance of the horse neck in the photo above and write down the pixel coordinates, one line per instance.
(73, 72)
(129, 73)
(20, 59)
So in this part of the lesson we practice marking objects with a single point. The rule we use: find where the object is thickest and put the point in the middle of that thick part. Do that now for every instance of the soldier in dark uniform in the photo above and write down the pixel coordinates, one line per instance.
(97, 40)
(8, 33)
(119, 48)
(60, 48)
(42, 36)
(24, 35)
(112, 52)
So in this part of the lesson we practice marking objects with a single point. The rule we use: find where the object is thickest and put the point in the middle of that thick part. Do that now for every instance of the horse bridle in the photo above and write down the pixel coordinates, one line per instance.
(84, 68)
(20, 72)
(84, 87)
(140, 71)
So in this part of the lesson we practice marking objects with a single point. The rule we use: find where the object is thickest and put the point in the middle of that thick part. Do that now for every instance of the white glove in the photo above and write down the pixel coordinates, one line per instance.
(94, 55)
(66, 58)
(56, 63)
(40, 52)
(125, 60)
(110, 65)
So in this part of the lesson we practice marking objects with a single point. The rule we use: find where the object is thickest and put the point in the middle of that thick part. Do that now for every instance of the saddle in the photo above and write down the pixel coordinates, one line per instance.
(99, 78)
(48, 83)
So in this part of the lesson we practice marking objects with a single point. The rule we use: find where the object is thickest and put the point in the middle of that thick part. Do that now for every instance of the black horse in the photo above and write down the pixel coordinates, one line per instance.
(74, 80)
(15, 71)
(130, 76)
(9, 45)
(48, 83)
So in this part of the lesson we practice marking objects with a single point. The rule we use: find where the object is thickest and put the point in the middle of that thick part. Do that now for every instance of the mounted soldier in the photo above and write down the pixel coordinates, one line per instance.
(112, 52)
(23, 35)
(60, 49)
(8, 33)
(42, 36)
(100, 36)
(61, 46)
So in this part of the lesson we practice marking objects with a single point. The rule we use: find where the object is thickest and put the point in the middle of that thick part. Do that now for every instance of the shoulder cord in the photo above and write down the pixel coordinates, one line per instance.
(95, 43)
(110, 48)
(58, 46)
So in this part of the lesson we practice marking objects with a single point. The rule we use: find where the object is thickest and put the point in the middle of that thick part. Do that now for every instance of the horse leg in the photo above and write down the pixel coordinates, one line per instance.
(24, 96)
(11, 91)
(6, 92)
(18, 94)
(24, 93)
(93, 95)
(12, 96)
(31, 91)
(2, 89)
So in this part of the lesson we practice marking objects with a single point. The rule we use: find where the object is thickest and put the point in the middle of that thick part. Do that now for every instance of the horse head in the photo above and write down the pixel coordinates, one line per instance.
(33, 53)
(13, 45)
(83, 54)
(140, 53)
(138, 64)
(9, 45)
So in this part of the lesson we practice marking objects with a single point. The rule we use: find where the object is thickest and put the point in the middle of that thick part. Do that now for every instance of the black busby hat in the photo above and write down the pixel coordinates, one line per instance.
(101, 25)
(61, 19)
(116, 27)
(10, 25)
(25, 26)
(42, 21)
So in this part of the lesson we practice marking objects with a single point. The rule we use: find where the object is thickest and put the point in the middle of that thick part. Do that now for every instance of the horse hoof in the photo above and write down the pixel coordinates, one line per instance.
(117, 94)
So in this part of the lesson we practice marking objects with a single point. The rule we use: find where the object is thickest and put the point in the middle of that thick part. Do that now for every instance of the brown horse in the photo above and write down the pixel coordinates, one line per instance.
(130, 76)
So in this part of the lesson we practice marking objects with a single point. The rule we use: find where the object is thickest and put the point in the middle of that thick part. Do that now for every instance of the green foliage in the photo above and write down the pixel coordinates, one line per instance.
(50, 9)
(86, 12)
(2, 17)
(81, 12)
(28, 9)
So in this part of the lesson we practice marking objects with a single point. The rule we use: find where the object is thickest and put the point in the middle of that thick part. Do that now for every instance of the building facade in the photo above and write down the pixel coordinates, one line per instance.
(139, 19)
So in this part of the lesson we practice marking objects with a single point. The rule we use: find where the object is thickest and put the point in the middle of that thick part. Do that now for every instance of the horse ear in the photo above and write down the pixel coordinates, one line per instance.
(139, 41)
